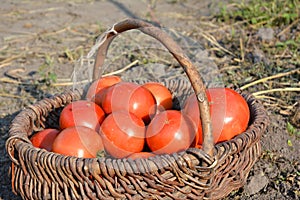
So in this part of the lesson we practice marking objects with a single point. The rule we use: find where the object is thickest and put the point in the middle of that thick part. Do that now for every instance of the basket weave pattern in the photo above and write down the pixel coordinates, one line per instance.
(191, 174)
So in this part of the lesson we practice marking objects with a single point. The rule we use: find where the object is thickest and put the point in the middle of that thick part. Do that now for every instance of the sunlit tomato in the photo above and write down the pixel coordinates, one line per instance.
(131, 97)
(229, 113)
(97, 89)
(122, 133)
(162, 95)
(170, 131)
(141, 155)
(44, 139)
(82, 113)
(78, 141)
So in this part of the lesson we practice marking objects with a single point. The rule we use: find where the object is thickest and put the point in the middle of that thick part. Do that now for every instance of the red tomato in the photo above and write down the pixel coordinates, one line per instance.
(170, 131)
(97, 89)
(162, 95)
(229, 113)
(82, 113)
(44, 139)
(79, 141)
(123, 134)
(131, 97)
(141, 155)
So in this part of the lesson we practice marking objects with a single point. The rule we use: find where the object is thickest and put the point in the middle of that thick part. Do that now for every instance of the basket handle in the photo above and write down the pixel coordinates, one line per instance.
(177, 52)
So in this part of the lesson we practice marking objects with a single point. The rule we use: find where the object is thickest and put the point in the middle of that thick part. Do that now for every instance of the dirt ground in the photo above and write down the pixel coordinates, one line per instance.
(41, 40)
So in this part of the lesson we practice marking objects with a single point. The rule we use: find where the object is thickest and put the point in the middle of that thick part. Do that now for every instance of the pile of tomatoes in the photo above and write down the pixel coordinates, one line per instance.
(123, 119)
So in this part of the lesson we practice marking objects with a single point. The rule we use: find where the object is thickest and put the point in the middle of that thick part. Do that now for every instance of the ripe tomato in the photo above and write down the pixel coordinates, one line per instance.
(79, 141)
(170, 131)
(97, 89)
(122, 133)
(44, 139)
(162, 95)
(229, 113)
(142, 154)
(82, 113)
(131, 97)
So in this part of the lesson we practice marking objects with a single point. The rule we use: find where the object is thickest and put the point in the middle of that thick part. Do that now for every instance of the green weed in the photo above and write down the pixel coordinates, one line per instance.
(292, 130)
(256, 12)
(45, 71)
(289, 143)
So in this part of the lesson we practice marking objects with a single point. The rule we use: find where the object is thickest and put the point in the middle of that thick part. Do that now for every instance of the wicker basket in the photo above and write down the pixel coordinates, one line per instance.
(208, 173)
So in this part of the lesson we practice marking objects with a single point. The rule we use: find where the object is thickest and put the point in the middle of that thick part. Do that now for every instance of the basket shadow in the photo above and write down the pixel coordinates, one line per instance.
(5, 181)
(128, 12)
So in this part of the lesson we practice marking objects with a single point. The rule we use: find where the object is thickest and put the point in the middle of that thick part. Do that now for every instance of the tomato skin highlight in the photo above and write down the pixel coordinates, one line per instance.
(82, 113)
(79, 141)
(44, 139)
(169, 132)
(230, 113)
(96, 91)
(162, 95)
(122, 133)
(130, 97)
